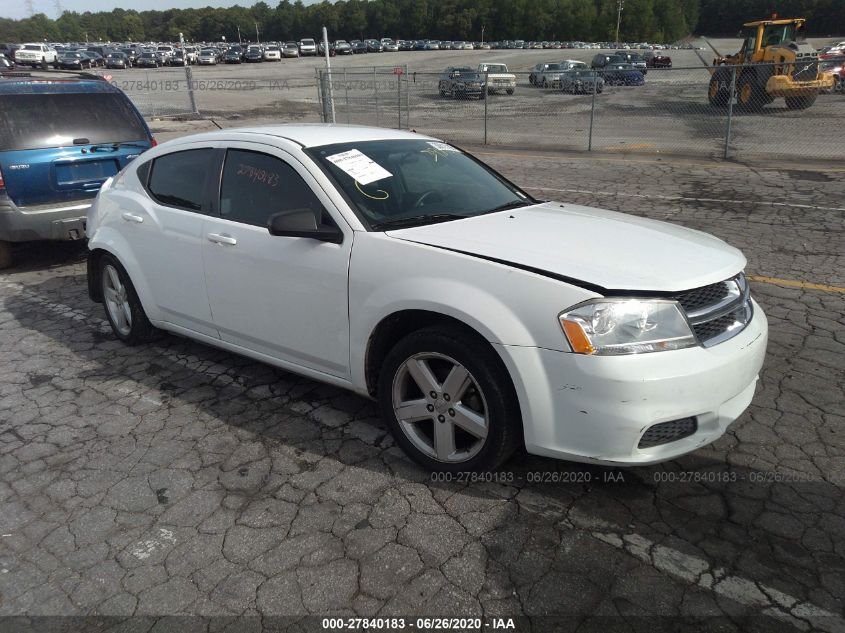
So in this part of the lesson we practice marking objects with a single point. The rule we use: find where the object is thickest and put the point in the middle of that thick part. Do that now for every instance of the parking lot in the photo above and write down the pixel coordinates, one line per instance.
(175, 479)
(669, 114)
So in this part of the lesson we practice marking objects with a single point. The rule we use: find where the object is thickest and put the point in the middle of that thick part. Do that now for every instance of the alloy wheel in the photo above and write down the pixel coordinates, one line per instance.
(117, 300)
(440, 407)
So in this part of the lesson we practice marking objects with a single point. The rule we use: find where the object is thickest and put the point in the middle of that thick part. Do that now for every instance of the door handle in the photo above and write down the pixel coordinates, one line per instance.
(131, 217)
(222, 238)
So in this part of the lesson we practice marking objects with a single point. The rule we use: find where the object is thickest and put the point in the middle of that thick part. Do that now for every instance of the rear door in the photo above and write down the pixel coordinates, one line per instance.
(165, 234)
(59, 147)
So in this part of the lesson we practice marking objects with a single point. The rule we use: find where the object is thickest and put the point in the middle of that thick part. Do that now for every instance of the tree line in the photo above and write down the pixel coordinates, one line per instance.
(585, 20)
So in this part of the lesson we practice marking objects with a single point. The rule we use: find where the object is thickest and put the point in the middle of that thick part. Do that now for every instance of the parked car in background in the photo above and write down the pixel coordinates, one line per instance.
(307, 46)
(374, 46)
(572, 64)
(655, 59)
(342, 47)
(166, 51)
(461, 82)
(254, 54)
(358, 47)
(491, 302)
(235, 55)
(272, 53)
(6, 63)
(74, 60)
(118, 60)
(321, 49)
(61, 141)
(536, 71)
(622, 75)
(550, 76)
(499, 78)
(835, 65)
(178, 58)
(148, 60)
(290, 50)
(603, 59)
(635, 59)
(581, 80)
(35, 55)
(97, 60)
(207, 57)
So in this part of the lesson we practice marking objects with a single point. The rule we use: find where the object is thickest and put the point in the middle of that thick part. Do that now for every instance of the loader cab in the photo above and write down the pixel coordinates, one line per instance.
(759, 36)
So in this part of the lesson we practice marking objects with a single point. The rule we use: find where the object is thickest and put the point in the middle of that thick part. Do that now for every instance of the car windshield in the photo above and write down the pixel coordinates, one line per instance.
(34, 121)
(494, 68)
(32, 47)
(554, 67)
(414, 181)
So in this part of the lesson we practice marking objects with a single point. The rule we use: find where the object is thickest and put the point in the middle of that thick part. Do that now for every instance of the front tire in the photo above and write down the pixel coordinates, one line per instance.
(124, 311)
(449, 401)
(800, 103)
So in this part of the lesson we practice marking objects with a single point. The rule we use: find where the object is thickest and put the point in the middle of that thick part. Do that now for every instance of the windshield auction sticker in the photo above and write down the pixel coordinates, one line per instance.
(359, 167)
(443, 147)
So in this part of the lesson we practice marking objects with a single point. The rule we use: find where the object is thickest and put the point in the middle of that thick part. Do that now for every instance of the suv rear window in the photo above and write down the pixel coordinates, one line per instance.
(35, 121)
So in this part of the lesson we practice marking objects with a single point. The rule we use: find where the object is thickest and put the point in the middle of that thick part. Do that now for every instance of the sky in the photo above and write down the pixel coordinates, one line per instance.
(17, 9)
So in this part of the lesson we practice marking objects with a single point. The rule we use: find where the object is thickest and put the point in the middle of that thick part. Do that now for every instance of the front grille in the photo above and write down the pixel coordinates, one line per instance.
(719, 311)
(806, 71)
(666, 432)
(702, 297)
(710, 329)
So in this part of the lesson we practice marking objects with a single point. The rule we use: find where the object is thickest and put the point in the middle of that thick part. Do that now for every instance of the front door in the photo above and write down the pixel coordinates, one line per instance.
(285, 297)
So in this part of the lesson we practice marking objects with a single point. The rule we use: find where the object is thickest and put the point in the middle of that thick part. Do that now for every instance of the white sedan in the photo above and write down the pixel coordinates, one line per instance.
(402, 268)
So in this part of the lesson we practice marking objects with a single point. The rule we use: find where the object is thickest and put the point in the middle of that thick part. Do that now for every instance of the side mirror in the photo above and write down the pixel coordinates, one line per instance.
(303, 223)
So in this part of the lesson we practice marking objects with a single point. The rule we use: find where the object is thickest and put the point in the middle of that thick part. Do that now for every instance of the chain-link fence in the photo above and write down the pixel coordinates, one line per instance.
(755, 111)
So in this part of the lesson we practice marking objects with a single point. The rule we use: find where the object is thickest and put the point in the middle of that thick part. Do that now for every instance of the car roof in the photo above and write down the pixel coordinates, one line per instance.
(310, 134)
(33, 85)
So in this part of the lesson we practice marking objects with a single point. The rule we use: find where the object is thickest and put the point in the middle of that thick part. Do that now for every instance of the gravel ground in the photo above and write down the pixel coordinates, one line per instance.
(669, 114)
(175, 479)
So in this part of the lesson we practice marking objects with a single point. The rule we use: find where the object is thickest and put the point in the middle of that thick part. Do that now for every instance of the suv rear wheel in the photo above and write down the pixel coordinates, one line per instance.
(5, 254)
(449, 401)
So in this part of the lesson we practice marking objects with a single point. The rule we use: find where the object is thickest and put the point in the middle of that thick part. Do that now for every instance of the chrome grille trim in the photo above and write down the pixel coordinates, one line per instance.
(718, 312)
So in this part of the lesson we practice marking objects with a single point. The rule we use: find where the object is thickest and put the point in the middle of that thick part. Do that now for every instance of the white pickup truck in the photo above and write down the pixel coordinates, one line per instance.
(35, 55)
(498, 77)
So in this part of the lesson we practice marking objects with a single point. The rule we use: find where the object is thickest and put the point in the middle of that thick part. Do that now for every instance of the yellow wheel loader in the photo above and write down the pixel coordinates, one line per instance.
(774, 61)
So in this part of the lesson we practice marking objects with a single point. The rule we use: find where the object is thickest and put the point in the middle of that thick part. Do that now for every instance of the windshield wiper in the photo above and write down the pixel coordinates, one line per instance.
(513, 204)
(417, 220)
(114, 146)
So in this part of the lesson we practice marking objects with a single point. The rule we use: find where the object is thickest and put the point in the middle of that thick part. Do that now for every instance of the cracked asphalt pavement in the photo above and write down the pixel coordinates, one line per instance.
(178, 480)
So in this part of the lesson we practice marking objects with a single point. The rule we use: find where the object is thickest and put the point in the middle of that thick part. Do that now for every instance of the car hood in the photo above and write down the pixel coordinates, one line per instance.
(596, 247)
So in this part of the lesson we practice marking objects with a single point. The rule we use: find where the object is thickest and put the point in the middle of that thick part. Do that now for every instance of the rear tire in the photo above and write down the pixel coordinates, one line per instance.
(800, 103)
(5, 255)
(472, 424)
(124, 311)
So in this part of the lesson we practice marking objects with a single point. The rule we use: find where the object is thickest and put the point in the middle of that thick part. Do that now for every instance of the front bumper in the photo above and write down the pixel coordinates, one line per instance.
(786, 86)
(65, 221)
(597, 408)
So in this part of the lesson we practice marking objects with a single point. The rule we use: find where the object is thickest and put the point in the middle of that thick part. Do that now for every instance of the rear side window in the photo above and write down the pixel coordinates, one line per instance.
(36, 121)
(256, 186)
(178, 179)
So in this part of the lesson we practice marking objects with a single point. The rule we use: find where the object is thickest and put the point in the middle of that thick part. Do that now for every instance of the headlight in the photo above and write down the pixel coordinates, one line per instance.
(612, 327)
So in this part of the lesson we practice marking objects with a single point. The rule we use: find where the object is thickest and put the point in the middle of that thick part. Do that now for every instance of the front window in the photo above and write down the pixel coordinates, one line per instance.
(412, 181)
(774, 34)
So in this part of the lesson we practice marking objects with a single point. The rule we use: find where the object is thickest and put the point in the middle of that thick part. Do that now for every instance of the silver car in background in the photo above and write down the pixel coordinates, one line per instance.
(581, 81)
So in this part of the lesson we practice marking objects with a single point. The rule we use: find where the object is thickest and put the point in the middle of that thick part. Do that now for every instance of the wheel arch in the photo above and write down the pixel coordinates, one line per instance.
(119, 249)
(397, 325)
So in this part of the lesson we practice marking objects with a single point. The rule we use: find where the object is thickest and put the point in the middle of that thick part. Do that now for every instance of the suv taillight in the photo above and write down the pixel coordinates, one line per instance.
(153, 142)
(2, 182)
